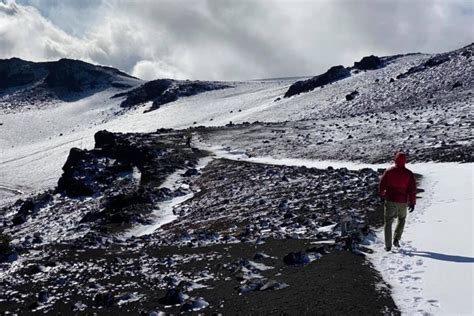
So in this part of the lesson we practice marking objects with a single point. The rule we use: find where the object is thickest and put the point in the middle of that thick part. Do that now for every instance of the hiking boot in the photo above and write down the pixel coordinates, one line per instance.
(396, 243)
(388, 249)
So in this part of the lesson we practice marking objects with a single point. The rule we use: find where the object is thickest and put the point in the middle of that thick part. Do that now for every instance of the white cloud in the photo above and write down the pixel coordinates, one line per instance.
(229, 40)
(148, 70)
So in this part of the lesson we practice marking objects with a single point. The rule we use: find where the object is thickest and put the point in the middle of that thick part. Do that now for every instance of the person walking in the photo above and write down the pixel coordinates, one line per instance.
(397, 188)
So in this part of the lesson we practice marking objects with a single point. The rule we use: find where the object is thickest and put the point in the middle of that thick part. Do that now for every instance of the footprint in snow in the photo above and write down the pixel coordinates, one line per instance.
(433, 303)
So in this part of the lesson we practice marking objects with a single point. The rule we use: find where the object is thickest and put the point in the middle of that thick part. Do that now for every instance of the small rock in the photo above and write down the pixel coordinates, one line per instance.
(43, 296)
(173, 297)
(104, 299)
(296, 258)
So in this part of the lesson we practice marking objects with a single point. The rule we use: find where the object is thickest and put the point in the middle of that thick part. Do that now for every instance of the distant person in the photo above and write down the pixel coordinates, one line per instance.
(397, 188)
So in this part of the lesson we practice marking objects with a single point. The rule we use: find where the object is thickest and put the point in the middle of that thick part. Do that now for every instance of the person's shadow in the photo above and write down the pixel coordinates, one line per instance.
(440, 256)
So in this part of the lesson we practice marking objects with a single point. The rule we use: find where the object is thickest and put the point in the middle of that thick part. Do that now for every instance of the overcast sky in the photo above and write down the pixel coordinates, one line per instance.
(229, 39)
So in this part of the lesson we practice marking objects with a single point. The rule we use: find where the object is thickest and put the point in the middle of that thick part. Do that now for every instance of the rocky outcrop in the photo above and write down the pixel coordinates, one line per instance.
(164, 91)
(430, 63)
(125, 171)
(333, 74)
(25, 82)
(369, 63)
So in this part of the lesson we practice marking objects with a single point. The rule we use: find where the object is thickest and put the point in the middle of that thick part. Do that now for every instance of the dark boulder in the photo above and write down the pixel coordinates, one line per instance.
(73, 187)
(27, 207)
(43, 296)
(172, 297)
(191, 172)
(104, 138)
(352, 95)
(105, 299)
(35, 269)
(296, 258)
(457, 84)
(162, 91)
(19, 219)
(369, 63)
(333, 74)
(74, 158)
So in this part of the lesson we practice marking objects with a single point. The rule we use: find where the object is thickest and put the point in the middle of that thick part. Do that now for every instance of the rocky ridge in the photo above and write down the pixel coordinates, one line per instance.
(164, 91)
(24, 83)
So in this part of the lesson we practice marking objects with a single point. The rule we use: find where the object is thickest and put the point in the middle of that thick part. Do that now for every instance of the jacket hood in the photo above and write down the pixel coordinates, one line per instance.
(400, 160)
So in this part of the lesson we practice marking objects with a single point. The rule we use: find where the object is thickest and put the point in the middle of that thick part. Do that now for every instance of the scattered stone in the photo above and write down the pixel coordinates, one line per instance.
(173, 297)
(296, 258)
(352, 95)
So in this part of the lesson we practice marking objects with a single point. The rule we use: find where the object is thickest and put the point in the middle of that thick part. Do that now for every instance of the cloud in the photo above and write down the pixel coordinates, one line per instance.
(148, 70)
(229, 40)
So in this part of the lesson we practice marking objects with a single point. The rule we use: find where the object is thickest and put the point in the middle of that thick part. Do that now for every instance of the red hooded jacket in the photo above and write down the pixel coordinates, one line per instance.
(398, 183)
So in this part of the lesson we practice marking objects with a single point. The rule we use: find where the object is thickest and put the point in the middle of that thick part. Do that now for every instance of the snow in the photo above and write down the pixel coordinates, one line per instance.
(434, 271)
(33, 152)
(438, 240)
(163, 213)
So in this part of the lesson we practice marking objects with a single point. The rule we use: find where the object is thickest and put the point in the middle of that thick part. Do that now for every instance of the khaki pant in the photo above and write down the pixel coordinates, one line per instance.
(394, 210)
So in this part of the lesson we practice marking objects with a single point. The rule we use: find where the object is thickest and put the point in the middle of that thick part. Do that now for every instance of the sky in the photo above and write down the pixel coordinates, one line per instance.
(229, 39)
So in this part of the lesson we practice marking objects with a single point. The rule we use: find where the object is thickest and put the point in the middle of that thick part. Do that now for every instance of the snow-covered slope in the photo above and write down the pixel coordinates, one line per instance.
(34, 143)
(420, 103)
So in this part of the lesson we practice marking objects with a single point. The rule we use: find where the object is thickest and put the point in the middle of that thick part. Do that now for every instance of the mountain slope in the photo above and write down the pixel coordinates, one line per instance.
(24, 83)
(275, 212)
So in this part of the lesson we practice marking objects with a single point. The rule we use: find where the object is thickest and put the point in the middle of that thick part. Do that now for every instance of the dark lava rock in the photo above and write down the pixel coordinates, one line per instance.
(103, 139)
(352, 95)
(457, 84)
(9, 257)
(18, 219)
(27, 207)
(164, 91)
(34, 269)
(43, 296)
(333, 74)
(296, 258)
(73, 159)
(73, 187)
(369, 63)
(191, 172)
(172, 297)
(105, 299)
(430, 63)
